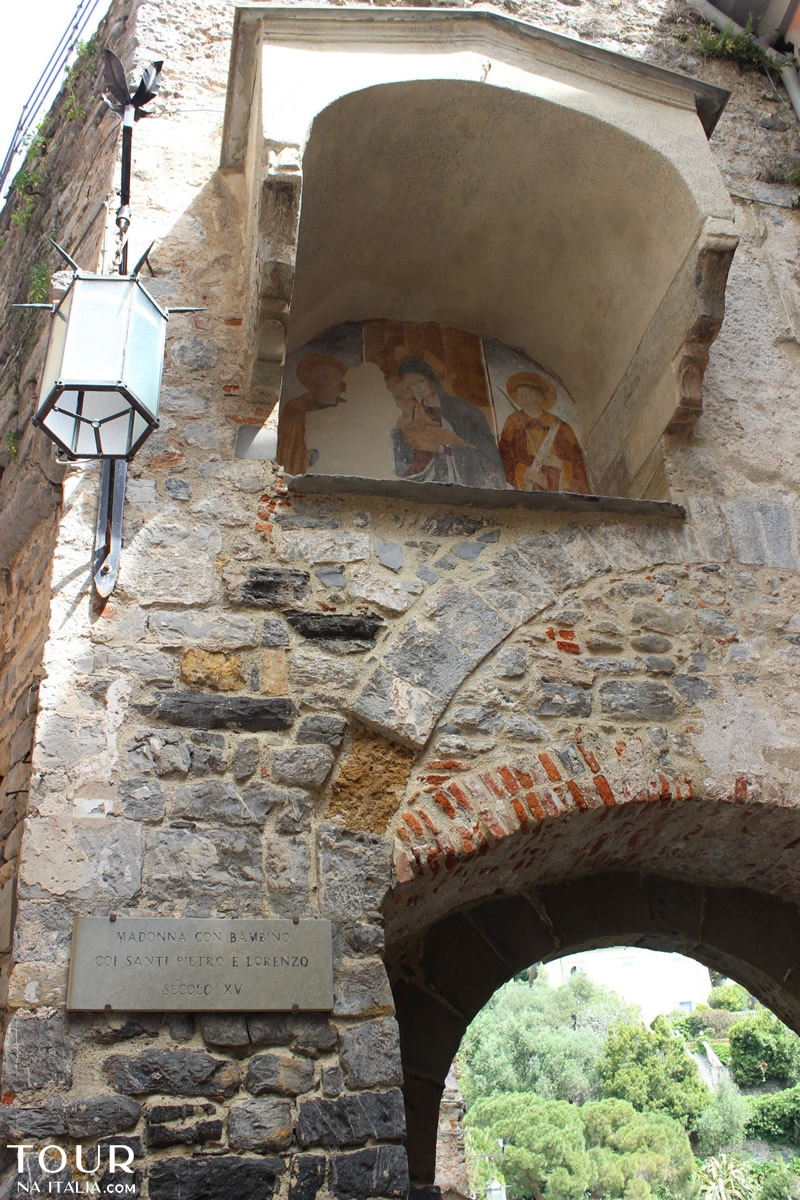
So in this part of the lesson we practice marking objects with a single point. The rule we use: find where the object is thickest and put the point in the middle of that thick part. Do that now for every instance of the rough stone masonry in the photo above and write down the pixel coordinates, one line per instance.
(469, 738)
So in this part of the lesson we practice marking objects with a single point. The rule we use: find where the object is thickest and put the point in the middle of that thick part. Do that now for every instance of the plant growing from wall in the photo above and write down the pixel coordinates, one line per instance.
(12, 445)
(39, 287)
(741, 47)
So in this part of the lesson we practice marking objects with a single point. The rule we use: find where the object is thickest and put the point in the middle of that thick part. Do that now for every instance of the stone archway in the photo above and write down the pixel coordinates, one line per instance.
(442, 976)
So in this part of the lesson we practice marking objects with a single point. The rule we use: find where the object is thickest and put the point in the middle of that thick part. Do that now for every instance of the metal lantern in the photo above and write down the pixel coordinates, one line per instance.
(495, 1190)
(102, 374)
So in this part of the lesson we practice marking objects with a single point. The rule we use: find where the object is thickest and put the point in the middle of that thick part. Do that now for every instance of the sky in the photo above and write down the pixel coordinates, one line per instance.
(31, 32)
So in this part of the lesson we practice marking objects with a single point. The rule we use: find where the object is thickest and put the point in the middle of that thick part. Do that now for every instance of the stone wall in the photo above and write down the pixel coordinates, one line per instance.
(359, 708)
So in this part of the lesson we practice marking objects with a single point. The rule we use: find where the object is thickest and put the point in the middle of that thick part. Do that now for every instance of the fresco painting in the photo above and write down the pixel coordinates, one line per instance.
(420, 401)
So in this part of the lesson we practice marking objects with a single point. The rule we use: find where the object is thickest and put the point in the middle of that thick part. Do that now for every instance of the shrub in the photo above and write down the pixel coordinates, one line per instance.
(730, 996)
(776, 1117)
(762, 1049)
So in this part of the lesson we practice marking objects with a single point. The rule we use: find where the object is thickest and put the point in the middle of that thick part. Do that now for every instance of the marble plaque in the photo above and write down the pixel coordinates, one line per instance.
(7, 913)
(191, 964)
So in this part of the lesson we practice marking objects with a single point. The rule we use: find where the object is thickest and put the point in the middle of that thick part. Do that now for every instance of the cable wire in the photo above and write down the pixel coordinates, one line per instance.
(42, 91)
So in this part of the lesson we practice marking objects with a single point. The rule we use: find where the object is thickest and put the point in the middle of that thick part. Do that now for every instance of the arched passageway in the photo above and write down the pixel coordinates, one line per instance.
(682, 878)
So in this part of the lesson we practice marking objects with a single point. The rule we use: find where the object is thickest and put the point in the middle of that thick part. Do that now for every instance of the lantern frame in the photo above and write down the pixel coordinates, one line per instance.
(126, 330)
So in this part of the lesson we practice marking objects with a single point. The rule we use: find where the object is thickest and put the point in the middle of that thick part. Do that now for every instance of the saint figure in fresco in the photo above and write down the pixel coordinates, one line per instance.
(540, 452)
(323, 377)
(439, 437)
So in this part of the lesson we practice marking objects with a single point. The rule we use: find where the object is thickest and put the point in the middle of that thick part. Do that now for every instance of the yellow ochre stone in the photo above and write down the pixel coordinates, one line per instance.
(210, 668)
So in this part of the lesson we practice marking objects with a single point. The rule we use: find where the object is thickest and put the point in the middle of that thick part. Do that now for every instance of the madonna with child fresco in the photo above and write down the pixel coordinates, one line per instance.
(440, 438)
(427, 403)
(540, 452)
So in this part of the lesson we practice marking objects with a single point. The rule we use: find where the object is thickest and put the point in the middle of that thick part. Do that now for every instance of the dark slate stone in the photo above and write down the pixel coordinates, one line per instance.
(424, 1191)
(41, 1121)
(332, 577)
(352, 1120)
(178, 489)
(180, 1026)
(377, 1171)
(260, 1125)
(692, 687)
(274, 633)
(641, 701)
(563, 700)
(223, 1029)
(36, 1053)
(160, 1136)
(100, 1115)
(270, 586)
(208, 753)
(355, 626)
(223, 1178)
(201, 711)
(142, 799)
(176, 1112)
(302, 1032)
(322, 728)
(172, 1072)
(128, 1031)
(282, 1073)
(445, 525)
(308, 1176)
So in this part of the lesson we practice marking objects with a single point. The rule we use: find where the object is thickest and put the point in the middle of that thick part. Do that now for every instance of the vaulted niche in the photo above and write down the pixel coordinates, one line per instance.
(466, 173)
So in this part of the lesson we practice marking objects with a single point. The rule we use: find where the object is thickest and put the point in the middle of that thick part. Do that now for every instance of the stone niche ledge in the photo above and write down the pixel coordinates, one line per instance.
(592, 230)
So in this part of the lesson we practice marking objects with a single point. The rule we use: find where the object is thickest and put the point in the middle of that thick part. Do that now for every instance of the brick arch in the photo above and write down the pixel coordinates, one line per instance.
(443, 976)
(590, 842)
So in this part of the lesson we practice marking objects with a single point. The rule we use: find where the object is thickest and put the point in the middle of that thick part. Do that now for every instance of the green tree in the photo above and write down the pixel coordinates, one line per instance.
(777, 1182)
(776, 1117)
(543, 1144)
(721, 1126)
(535, 1038)
(636, 1155)
(730, 996)
(557, 1151)
(652, 1071)
(762, 1048)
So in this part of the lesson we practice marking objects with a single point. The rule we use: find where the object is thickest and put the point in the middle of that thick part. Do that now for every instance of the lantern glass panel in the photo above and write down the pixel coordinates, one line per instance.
(55, 346)
(144, 353)
(98, 329)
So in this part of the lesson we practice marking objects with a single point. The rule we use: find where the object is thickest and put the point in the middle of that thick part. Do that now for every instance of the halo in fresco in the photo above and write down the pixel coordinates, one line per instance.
(420, 401)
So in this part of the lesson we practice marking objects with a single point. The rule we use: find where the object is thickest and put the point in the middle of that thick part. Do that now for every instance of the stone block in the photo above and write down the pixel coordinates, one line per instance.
(425, 656)
(166, 752)
(304, 1032)
(692, 688)
(745, 532)
(213, 800)
(355, 872)
(36, 1053)
(196, 710)
(302, 766)
(353, 626)
(181, 862)
(246, 758)
(193, 353)
(308, 1176)
(172, 1073)
(97, 1116)
(557, 698)
(370, 782)
(219, 1029)
(321, 546)
(213, 669)
(388, 554)
(274, 632)
(352, 1120)
(312, 668)
(370, 1054)
(398, 708)
(161, 1136)
(40, 1121)
(260, 1125)
(282, 1073)
(362, 990)
(452, 525)
(287, 866)
(638, 701)
(223, 1178)
(270, 587)
(395, 595)
(141, 799)
(214, 632)
(331, 577)
(322, 728)
(377, 1171)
